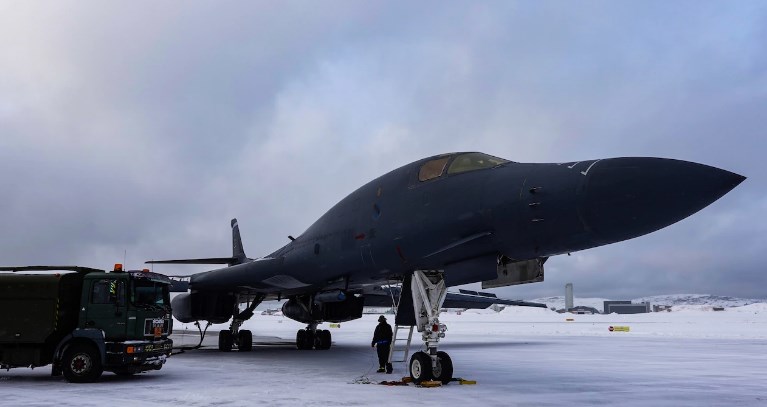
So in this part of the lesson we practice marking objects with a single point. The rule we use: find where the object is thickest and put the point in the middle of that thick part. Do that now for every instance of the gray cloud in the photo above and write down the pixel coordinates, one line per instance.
(146, 128)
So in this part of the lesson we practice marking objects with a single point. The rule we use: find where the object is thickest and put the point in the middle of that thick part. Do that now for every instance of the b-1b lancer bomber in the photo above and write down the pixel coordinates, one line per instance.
(442, 221)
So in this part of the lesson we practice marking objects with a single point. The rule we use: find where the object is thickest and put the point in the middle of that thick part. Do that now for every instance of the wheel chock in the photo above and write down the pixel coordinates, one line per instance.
(407, 379)
(430, 383)
(461, 380)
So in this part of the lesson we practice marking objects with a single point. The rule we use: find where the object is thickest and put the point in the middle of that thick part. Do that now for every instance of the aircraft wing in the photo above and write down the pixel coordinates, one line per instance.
(382, 297)
(474, 299)
(209, 260)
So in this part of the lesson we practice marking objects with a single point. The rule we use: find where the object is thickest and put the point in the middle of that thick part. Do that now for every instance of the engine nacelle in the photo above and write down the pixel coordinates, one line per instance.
(304, 310)
(295, 310)
(201, 306)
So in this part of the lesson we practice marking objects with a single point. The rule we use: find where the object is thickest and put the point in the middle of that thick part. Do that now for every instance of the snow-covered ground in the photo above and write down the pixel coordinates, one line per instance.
(519, 357)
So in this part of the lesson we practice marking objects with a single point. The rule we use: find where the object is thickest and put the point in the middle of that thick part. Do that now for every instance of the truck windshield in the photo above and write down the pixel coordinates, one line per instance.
(149, 293)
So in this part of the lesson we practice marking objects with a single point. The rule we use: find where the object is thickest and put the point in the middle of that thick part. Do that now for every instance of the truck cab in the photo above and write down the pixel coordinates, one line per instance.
(132, 310)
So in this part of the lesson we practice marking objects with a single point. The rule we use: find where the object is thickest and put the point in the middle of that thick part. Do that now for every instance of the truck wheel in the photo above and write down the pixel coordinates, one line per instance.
(81, 364)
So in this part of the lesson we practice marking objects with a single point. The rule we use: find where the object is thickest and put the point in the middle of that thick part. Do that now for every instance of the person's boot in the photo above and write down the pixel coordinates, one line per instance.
(380, 370)
(389, 368)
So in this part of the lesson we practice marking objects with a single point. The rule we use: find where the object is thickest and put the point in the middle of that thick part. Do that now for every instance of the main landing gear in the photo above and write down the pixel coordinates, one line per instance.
(429, 292)
(242, 339)
(313, 338)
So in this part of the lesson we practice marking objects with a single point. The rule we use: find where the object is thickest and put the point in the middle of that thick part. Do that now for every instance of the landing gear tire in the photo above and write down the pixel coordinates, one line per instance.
(420, 367)
(304, 339)
(245, 341)
(225, 341)
(443, 372)
(300, 339)
(309, 339)
(327, 339)
(322, 340)
(81, 364)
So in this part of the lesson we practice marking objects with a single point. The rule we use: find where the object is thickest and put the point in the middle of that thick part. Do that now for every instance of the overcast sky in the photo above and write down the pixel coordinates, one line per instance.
(144, 127)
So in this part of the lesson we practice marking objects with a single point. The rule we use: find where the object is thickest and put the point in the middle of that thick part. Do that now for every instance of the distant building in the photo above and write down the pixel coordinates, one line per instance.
(581, 310)
(378, 310)
(609, 304)
(568, 296)
(661, 308)
(626, 307)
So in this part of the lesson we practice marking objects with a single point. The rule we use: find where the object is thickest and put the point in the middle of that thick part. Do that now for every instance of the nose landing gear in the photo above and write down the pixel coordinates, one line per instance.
(429, 292)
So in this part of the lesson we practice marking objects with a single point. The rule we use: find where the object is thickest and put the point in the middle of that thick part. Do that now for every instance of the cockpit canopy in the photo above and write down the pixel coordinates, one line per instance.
(457, 163)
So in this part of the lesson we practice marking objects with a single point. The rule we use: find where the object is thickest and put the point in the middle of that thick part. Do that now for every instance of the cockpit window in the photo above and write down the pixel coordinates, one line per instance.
(432, 169)
(474, 161)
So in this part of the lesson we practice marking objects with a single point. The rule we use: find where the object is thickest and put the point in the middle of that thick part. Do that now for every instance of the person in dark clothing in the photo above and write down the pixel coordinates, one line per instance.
(382, 342)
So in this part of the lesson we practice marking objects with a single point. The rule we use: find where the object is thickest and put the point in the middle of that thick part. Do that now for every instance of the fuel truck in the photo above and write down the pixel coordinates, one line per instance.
(84, 321)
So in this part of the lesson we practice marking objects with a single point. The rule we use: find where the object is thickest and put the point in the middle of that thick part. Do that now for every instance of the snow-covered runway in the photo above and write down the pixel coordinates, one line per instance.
(526, 357)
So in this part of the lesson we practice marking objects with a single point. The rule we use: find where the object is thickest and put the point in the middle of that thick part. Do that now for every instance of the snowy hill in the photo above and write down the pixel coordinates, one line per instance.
(698, 299)
(676, 300)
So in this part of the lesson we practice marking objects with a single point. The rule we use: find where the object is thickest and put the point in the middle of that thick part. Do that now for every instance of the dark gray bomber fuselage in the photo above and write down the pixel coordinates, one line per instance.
(398, 223)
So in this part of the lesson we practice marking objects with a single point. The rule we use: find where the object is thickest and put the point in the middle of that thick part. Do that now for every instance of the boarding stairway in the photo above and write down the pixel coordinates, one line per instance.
(397, 348)
(404, 323)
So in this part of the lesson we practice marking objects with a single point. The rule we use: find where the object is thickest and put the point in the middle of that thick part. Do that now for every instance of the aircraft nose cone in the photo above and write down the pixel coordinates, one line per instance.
(624, 198)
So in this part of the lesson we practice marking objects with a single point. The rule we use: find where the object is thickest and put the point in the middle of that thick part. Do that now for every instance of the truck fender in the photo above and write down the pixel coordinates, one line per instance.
(94, 336)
